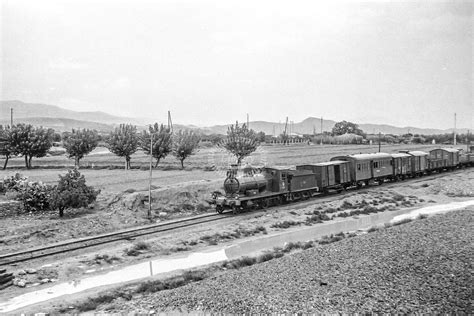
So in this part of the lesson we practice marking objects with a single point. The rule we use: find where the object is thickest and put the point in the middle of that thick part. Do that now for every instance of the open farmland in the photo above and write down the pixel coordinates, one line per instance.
(101, 167)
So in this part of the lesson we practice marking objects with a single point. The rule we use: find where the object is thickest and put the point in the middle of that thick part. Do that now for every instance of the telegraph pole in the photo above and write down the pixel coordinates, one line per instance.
(11, 117)
(379, 140)
(151, 173)
(248, 123)
(454, 141)
(321, 131)
(170, 123)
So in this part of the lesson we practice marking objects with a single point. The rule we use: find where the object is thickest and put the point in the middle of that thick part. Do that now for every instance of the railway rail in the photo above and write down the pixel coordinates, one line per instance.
(86, 242)
(130, 234)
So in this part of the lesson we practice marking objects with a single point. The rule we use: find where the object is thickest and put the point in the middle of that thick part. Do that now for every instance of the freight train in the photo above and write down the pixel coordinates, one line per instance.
(253, 188)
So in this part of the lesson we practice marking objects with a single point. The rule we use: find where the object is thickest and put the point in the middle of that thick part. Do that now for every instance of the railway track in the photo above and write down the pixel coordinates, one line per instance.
(86, 242)
(130, 234)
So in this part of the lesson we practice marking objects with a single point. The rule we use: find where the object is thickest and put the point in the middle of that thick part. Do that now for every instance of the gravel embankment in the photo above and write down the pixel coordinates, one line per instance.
(424, 266)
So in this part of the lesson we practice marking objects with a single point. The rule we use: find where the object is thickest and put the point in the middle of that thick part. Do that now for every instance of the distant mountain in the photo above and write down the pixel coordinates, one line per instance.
(61, 124)
(311, 124)
(64, 120)
(35, 110)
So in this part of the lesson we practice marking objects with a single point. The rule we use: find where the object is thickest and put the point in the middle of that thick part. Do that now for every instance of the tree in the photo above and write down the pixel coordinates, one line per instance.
(184, 145)
(162, 141)
(261, 137)
(30, 141)
(123, 142)
(240, 141)
(6, 148)
(345, 127)
(79, 143)
(71, 192)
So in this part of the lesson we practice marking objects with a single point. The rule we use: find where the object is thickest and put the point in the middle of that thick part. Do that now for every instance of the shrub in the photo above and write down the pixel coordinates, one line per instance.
(239, 263)
(346, 205)
(370, 209)
(291, 246)
(331, 210)
(72, 192)
(93, 302)
(372, 229)
(285, 224)
(398, 197)
(403, 221)
(34, 195)
(422, 216)
(141, 245)
(265, 257)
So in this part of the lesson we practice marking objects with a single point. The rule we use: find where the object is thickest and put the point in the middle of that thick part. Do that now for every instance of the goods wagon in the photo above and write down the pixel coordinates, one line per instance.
(419, 162)
(466, 159)
(366, 167)
(443, 159)
(401, 166)
(333, 175)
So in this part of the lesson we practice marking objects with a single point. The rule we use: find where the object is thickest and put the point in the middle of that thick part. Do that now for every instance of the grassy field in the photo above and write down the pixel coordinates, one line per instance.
(110, 179)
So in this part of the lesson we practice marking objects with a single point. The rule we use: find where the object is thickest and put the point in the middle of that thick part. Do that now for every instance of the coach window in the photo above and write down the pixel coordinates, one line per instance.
(376, 164)
(358, 166)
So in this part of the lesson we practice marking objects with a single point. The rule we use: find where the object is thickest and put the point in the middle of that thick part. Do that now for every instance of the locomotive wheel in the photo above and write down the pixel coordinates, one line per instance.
(219, 209)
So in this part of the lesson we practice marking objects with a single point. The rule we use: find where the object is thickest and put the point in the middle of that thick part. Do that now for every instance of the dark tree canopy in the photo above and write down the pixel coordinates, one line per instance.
(162, 141)
(30, 141)
(79, 143)
(72, 192)
(123, 142)
(240, 141)
(345, 127)
(6, 148)
(185, 144)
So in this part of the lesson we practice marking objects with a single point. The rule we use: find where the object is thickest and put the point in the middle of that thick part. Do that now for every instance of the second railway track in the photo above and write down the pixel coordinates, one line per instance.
(58, 248)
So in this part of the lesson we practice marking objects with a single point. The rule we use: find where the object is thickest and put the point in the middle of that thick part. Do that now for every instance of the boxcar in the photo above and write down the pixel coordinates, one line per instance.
(419, 162)
(401, 164)
(466, 159)
(443, 159)
(366, 167)
(333, 175)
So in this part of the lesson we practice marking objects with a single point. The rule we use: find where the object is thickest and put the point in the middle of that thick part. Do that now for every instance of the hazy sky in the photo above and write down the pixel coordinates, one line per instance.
(211, 62)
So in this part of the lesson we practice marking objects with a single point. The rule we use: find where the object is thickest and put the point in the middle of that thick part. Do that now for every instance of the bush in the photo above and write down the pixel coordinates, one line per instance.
(372, 229)
(346, 205)
(72, 192)
(34, 195)
(403, 221)
(285, 224)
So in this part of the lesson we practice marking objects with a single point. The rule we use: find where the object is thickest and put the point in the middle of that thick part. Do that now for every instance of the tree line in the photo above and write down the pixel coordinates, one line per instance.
(31, 141)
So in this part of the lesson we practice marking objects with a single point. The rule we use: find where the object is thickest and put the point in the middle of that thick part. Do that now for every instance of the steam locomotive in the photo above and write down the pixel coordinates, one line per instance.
(253, 188)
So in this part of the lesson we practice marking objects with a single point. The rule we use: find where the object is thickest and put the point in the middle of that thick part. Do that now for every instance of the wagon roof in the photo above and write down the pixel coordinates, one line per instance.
(400, 155)
(451, 150)
(417, 153)
(369, 156)
(280, 167)
(329, 163)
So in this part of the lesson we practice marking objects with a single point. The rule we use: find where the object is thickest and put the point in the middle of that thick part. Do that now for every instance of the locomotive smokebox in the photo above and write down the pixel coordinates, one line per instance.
(244, 183)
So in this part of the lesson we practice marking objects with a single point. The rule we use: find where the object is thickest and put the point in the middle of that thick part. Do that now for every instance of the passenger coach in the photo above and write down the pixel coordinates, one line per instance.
(365, 167)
